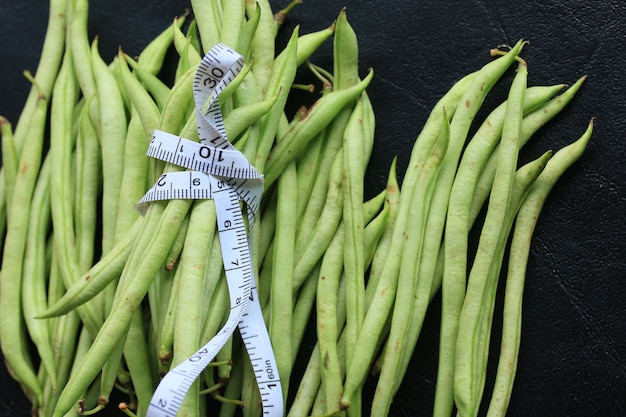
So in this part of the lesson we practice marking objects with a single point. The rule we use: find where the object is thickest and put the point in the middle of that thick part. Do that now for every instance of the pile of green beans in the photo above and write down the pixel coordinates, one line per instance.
(97, 300)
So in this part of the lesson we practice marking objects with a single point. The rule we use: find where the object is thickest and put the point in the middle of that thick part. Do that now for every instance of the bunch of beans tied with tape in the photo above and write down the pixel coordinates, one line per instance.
(254, 229)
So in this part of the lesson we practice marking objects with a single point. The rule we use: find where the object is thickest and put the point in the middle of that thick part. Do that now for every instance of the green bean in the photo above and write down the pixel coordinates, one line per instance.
(308, 166)
(99, 276)
(207, 14)
(248, 28)
(33, 290)
(279, 16)
(240, 118)
(200, 233)
(157, 88)
(346, 54)
(166, 326)
(135, 176)
(310, 42)
(10, 159)
(152, 56)
(518, 260)
(189, 56)
(283, 74)
(332, 142)
(112, 129)
(408, 287)
(180, 104)
(263, 41)
(372, 234)
(379, 257)
(233, 16)
(78, 42)
(524, 178)
(458, 223)
(469, 324)
(47, 68)
(327, 224)
(280, 324)
(88, 185)
(177, 247)
(308, 387)
(354, 256)
(302, 311)
(327, 326)
(146, 109)
(136, 358)
(318, 117)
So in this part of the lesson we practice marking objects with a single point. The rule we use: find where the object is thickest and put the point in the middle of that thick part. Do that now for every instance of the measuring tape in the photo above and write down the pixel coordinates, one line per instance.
(217, 171)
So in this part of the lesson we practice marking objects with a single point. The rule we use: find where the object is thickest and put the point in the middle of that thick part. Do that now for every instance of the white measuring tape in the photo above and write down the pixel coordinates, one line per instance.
(220, 172)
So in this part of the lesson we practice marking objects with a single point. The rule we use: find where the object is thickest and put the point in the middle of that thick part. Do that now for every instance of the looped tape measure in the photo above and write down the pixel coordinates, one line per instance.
(218, 171)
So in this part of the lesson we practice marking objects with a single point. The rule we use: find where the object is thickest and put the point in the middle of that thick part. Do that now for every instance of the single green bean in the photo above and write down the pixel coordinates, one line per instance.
(380, 255)
(233, 16)
(202, 225)
(279, 84)
(78, 42)
(166, 326)
(282, 299)
(207, 14)
(47, 68)
(353, 224)
(136, 357)
(326, 226)
(248, 28)
(33, 292)
(88, 185)
(302, 312)
(112, 132)
(152, 57)
(99, 276)
(145, 107)
(153, 84)
(189, 55)
(10, 159)
(135, 176)
(263, 41)
(327, 326)
(308, 43)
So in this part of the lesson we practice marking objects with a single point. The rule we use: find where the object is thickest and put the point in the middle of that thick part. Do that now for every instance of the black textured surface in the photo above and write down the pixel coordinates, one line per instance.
(573, 354)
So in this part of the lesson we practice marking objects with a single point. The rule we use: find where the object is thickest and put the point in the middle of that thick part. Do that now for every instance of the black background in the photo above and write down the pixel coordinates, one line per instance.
(573, 353)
